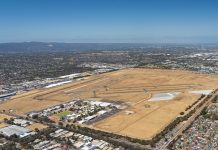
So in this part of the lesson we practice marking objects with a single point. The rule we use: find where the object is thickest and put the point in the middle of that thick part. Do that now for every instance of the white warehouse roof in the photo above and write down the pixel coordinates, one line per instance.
(14, 129)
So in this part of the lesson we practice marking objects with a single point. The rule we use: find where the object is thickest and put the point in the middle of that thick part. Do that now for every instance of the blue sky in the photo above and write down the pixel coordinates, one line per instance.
(136, 21)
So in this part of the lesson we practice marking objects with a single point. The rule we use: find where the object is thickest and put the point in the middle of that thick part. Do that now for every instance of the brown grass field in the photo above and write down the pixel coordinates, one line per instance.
(131, 86)
(3, 116)
(37, 125)
(2, 125)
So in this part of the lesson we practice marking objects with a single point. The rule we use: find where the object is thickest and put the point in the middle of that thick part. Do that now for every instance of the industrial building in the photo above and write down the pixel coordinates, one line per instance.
(15, 130)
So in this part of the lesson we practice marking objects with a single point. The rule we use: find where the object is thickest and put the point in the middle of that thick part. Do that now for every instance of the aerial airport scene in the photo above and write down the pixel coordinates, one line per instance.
(107, 85)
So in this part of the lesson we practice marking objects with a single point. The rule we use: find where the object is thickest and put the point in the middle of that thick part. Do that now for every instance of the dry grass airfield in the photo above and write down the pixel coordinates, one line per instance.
(131, 86)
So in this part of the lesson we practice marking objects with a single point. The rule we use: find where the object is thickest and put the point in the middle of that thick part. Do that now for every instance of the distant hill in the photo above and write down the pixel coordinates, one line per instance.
(41, 46)
(54, 47)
